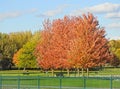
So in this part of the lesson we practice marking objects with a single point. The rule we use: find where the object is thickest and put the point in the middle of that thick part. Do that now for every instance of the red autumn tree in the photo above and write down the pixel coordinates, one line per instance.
(89, 47)
(72, 42)
(53, 49)
(43, 47)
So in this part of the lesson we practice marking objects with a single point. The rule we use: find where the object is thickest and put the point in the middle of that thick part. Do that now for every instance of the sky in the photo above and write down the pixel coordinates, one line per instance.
(24, 15)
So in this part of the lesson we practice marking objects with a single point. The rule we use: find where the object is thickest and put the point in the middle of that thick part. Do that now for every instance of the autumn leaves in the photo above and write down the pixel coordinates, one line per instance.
(72, 42)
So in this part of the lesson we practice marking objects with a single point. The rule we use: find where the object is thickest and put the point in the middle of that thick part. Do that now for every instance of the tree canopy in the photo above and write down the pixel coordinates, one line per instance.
(25, 58)
(73, 42)
(115, 49)
(11, 43)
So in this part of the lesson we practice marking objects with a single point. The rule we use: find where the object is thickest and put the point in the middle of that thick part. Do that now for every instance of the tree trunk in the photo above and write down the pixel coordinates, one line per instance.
(24, 69)
(87, 72)
(78, 71)
(52, 72)
(82, 71)
(68, 72)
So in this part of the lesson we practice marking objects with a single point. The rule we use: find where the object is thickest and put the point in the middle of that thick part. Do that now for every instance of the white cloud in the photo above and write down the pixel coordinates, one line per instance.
(54, 12)
(113, 15)
(113, 26)
(32, 10)
(115, 38)
(51, 13)
(100, 9)
(106, 7)
(8, 15)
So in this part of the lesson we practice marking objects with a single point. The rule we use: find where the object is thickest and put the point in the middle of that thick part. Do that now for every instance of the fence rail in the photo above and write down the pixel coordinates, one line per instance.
(37, 82)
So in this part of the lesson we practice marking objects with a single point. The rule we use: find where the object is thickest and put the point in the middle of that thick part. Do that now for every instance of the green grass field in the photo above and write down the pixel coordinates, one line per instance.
(31, 81)
(37, 78)
(105, 71)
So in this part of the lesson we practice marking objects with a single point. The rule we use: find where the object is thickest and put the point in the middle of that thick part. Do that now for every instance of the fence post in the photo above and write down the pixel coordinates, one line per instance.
(60, 83)
(84, 81)
(111, 82)
(0, 82)
(38, 82)
(18, 82)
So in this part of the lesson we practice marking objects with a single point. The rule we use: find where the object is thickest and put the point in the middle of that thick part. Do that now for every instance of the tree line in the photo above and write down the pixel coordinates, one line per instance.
(70, 42)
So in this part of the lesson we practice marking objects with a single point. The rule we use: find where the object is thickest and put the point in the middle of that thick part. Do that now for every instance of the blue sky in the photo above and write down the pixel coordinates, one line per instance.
(22, 15)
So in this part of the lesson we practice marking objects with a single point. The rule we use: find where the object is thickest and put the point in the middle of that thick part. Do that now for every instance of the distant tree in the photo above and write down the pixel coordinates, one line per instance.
(16, 60)
(20, 38)
(10, 43)
(7, 49)
(115, 49)
(25, 58)
(115, 61)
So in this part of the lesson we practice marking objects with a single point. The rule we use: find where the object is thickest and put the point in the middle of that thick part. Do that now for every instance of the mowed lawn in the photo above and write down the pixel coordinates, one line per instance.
(104, 71)
(37, 78)
(92, 82)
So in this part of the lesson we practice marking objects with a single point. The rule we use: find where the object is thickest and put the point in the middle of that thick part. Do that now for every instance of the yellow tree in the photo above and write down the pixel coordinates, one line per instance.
(25, 57)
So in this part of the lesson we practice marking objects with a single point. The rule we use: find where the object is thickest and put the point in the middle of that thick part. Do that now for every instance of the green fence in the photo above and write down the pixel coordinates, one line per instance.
(37, 82)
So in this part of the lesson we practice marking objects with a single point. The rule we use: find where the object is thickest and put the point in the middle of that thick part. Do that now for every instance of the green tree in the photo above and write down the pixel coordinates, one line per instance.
(115, 49)
(25, 57)
(20, 38)
(7, 49)
(10, 43)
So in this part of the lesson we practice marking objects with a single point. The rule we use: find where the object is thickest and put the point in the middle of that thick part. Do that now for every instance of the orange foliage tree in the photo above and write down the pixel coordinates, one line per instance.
(72, 42)
(16, 60)
(52, 50)
(89, 47)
